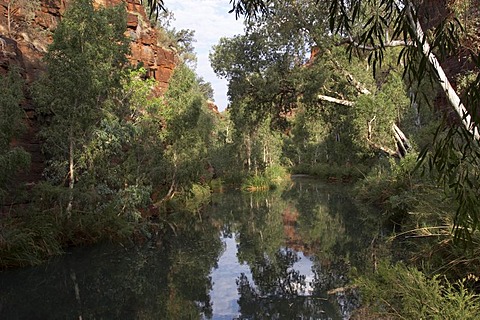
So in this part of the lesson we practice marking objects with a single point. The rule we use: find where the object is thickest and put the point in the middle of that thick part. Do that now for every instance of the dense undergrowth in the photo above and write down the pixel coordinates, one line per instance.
(271, 178)
(400, 292)
(425, 272)
(30, 236)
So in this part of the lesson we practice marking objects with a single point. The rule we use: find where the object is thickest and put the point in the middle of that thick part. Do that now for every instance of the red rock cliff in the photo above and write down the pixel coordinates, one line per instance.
(26, 32)
(29, 35)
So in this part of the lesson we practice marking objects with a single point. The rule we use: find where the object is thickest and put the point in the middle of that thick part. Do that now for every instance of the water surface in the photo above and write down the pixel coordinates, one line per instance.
(272, 255)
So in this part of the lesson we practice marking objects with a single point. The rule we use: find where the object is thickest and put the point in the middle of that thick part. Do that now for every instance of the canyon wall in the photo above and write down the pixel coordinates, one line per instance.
(26, 28)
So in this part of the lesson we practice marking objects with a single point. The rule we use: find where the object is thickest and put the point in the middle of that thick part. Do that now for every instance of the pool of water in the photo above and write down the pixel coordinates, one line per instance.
(272, 255)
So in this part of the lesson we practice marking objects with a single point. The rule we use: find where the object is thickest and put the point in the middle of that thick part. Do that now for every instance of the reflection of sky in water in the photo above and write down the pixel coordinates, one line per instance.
(224, 293)
(304, 267)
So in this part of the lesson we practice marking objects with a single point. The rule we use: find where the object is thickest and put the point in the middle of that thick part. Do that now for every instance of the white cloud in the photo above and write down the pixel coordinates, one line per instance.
(211, 21)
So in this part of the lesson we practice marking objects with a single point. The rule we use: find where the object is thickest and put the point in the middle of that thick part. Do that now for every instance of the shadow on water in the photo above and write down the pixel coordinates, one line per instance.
(272, 255)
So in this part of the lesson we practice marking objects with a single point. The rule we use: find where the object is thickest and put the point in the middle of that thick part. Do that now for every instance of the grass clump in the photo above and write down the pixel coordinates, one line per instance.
(216, 185)
(257, 183)
(276, 173)
(28, 241)
(271, 178)
(398, 292)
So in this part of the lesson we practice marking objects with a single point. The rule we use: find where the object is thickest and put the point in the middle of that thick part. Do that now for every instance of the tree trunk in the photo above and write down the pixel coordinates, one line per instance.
(451, 94)
(9, 16)
(249, 153)
(415, 106)
(71, 174)
(402, 142)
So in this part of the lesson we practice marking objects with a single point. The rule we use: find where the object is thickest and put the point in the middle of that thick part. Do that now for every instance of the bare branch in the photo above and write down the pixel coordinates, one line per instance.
(335, 100)
(392, 43)
(358, 85)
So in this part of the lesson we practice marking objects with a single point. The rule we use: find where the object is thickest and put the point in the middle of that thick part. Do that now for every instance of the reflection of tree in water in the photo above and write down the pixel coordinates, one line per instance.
(316, 219)
(275, 276)
(169, 281)
(260, 228)
(173, 281)
(330, 225)
(277, 291)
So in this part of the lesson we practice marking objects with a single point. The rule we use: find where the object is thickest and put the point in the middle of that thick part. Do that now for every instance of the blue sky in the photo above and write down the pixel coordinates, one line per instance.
(211, 21)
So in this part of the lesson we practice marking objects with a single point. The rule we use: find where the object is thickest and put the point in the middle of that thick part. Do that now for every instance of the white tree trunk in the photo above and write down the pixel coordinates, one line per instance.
(402, 141)
(451, 94)
(71, 176)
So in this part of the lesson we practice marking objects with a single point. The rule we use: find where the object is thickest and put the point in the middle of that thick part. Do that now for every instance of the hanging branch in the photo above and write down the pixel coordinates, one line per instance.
(451, 94)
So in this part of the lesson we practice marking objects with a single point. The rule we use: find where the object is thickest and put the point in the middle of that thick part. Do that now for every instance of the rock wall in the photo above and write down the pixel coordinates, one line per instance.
(24, 39)
(32, 36)
(145, 50)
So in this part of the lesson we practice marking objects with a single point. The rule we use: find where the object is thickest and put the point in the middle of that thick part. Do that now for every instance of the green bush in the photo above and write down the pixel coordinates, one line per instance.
(275, 172)
(197, 196)
(388, 179)
(398, 292)
(216, 185)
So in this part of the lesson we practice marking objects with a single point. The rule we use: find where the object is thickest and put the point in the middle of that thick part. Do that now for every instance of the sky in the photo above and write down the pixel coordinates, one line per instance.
(211, 21)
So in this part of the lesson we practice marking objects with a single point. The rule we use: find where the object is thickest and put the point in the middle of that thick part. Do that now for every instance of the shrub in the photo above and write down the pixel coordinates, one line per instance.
(275, 172)
(216, 185)
(398, 292)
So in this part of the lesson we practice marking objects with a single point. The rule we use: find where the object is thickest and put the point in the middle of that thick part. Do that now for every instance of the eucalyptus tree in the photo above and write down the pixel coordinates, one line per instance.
(261, 67)
(402, 18)
(455, 152)
(84, 65)
(269, 71)
(187, 131)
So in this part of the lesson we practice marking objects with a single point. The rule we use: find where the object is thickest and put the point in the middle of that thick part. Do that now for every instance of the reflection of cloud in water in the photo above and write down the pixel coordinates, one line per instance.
(304, 267)
(224, 294)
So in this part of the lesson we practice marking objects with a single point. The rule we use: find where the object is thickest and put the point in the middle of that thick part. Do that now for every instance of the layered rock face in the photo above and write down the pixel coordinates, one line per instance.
(159, 62)
(25, 38)
(26, 28)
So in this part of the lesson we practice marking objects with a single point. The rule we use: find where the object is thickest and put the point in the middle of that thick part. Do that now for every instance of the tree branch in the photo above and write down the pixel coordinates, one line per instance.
(392, 43)
(358, 85)
(335, 100)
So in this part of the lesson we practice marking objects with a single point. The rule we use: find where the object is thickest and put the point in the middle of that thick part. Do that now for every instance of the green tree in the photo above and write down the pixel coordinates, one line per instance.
(84, 63)
(269, 76)
(186, 133)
